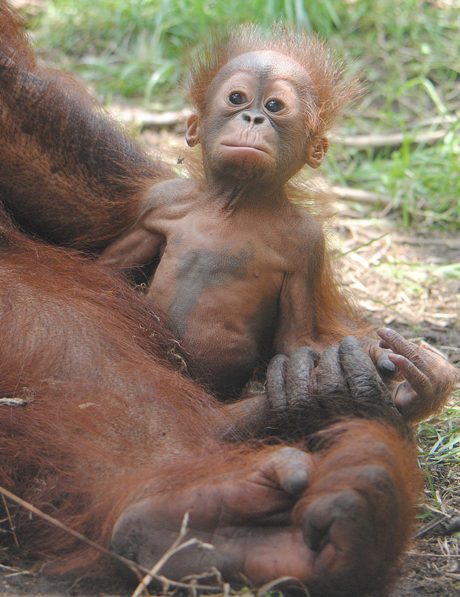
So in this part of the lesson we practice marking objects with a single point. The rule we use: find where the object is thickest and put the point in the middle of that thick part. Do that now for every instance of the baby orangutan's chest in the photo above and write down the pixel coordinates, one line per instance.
(204, 284)
(222, 299)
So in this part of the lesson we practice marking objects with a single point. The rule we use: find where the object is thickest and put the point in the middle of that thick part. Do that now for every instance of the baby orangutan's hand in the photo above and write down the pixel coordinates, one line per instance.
(429, 379)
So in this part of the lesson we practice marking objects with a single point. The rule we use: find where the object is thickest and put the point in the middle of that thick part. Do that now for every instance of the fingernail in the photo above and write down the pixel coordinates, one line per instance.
(388, 366)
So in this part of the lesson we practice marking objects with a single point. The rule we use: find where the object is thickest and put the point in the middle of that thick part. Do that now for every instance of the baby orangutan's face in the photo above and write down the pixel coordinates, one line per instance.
(256, 121)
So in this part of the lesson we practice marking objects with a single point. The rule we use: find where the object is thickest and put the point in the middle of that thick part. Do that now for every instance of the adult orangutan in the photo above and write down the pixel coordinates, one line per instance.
(108, 438)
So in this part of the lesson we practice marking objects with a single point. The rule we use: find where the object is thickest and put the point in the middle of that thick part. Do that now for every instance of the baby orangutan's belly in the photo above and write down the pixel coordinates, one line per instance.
(225, 340)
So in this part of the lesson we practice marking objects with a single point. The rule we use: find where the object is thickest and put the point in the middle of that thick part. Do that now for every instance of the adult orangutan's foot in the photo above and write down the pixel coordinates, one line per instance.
(336, 520)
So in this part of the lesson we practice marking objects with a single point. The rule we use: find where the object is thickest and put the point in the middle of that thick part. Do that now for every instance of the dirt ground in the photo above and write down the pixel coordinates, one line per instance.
(404, 279)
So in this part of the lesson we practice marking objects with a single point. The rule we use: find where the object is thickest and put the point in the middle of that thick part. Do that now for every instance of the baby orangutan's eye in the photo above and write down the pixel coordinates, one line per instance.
(237, 98)
(274, 106)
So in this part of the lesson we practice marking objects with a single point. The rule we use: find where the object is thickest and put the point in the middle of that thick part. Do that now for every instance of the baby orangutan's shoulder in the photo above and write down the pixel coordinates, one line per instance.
(304, 227)
(172, 192)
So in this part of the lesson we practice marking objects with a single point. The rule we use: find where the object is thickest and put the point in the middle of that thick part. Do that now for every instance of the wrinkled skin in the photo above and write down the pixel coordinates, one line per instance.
(429, 379)
(335, 510)
(287, 513)
(309, 390)
(322, 513)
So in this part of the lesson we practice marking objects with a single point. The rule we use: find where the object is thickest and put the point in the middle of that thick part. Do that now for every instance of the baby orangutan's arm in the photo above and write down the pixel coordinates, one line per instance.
(136, 248)
(312, 309)
(139, 246)
(144, 241)
(314, 313)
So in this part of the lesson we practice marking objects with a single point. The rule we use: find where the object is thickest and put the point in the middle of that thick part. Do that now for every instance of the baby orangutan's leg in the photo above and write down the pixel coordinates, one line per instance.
(336, 519)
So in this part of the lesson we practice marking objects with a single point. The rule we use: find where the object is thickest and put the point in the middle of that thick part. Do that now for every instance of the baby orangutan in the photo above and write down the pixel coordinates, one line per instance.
(242, 271)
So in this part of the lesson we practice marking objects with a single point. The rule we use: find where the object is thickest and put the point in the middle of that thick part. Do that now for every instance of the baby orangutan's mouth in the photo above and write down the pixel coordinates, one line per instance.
(241, 147)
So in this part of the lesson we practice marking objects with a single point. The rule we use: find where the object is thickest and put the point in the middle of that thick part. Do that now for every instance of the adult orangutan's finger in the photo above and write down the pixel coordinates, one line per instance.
(330, 381)
(363, 380)
(291, 469)
(300, 378)
(379, 356)
(276, 382)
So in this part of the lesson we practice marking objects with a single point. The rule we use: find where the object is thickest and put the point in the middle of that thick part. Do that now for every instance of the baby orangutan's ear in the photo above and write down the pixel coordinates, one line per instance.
(193, 134)
(316, 152)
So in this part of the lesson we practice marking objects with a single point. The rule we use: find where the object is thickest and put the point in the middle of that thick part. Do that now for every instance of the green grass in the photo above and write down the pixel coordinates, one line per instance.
(439, 455)
(407, 50)
(440, 438)
(136, 47)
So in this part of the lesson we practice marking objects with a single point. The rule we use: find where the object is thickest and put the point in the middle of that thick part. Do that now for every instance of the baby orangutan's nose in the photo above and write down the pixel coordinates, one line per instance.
(248, 117)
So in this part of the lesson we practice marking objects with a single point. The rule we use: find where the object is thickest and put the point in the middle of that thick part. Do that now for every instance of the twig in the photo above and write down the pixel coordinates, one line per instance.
(13, 530)
(359, 196)
(365, 141)
(22, 572)
(453, 556)
(9, 568)
(66, 529)
(267, 588)
(430, 526)
(450, 244)
(361, 246)
(428, 346)
(14, 402)
(134, 566)
(175, 548)
(149, 119)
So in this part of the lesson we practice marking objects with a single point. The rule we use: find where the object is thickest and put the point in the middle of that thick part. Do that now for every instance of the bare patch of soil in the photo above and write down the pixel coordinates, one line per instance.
(404, 279)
